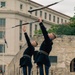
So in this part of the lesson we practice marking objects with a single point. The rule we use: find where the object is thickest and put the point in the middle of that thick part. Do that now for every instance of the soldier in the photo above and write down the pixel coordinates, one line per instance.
(25, 61)
(42, 57)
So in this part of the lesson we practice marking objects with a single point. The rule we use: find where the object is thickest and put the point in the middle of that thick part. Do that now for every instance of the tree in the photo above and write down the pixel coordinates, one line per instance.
(64, 29)
(72, 21)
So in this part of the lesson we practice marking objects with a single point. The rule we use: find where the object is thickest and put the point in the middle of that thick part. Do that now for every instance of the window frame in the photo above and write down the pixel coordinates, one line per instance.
(1, 35)
(36, 13)
(58, 20)
(54, 18)
(40, 13)
(72, 65)
(2, 22)
(61, 20)
(31, 30)
(45, 15)
(20, 31)
(30, 9)
(1, 66)
(21, 6)
(3, 51)
(36, 27)
(50, 17)
(2, 5)
(53, 59)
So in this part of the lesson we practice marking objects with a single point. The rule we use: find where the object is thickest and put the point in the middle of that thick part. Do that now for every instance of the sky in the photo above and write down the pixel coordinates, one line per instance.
(66, 6)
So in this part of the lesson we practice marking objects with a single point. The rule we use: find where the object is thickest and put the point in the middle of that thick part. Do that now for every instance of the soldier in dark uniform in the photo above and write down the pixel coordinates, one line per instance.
(45, 48)
(29, 51)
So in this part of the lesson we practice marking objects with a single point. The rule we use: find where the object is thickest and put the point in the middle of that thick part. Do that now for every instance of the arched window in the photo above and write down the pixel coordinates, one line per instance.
(72, 65)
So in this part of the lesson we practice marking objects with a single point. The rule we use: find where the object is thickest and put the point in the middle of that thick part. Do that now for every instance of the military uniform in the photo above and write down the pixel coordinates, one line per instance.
(25, 61)
(45, 48)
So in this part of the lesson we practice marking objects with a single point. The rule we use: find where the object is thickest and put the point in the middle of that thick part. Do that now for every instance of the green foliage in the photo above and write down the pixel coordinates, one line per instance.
(53, 28)
(66, 29)
(72, 21)
(38, 32)
(60, 30)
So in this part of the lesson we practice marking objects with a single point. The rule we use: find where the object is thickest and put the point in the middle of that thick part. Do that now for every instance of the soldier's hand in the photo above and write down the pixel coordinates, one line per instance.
(40, 20)
(24, 28)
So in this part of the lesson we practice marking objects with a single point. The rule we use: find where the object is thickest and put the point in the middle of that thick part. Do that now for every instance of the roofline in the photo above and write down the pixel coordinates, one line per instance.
(51, 9)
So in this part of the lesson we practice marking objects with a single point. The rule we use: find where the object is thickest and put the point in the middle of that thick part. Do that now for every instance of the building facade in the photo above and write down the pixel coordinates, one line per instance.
(14, 12)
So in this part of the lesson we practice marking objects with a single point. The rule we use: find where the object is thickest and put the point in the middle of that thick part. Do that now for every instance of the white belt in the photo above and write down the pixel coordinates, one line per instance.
(27, 56)
(43, 52)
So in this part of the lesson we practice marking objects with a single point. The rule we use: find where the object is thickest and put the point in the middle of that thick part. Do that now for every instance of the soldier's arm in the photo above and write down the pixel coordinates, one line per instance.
(44, 31)
(26, 36)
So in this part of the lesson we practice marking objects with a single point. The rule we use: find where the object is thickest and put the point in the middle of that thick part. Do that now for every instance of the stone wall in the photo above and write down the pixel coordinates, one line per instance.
(63, 48)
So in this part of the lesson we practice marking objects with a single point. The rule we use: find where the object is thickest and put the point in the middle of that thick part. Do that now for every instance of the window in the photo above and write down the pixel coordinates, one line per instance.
(45, 15)
(20, 30)
(65, 21)
(2, 48)
(20, 36)
(30, 30)
(72, 65)
(61, 20)
(40, 13)
(20, 47)
(2, 68)
(57, 19)
(2, 4)
(49, 16)
(35, 27)
(53, 59)
(1, 34)
(31, 8)
(35, 13)
(21, 6)
(53, 18)
(2, 22)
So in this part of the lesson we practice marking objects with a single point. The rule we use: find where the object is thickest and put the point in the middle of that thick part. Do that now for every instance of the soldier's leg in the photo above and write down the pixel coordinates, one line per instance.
(41, 69)
(47, 70)
(24, 70)
(29, 70)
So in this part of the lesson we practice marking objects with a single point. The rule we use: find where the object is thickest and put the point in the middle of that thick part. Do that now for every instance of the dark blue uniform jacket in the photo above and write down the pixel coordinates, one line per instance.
(28, 51)
(45, 46)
